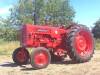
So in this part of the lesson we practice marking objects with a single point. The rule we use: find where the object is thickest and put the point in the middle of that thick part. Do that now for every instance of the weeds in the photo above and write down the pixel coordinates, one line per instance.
(6, 48)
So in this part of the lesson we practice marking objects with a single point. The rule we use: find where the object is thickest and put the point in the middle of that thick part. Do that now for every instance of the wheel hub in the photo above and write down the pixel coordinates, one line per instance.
(21, 56)
(41, 59)
(81, 43)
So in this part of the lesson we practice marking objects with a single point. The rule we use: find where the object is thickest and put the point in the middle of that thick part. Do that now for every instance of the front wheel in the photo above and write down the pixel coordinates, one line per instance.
(21, 56)
(40, 58)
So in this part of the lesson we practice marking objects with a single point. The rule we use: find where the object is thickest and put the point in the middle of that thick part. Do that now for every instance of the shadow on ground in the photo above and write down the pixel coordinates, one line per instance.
(59, 63)
(26, 68)
(10, 64)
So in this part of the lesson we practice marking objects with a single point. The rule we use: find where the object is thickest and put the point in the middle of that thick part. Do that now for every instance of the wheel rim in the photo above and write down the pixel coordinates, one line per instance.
(84, 43)
(41, 58)
(21, 55)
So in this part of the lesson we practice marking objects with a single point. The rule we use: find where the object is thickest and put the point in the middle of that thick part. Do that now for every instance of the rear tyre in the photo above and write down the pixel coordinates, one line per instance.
(80, 43)
(40, 58)
(21, 56)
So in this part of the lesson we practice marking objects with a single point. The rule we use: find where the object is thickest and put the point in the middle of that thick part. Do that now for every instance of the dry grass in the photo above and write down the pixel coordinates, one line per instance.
(97, 44)
(58, 68)
(6, 48)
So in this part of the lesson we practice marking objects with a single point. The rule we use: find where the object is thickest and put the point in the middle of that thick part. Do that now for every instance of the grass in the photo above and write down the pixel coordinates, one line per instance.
(97, 44)
(7, 48)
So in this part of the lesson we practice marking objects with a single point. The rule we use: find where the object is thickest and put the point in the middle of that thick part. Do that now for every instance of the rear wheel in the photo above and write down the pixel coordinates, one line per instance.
(40, 58)
(80, 43)
(20, 56)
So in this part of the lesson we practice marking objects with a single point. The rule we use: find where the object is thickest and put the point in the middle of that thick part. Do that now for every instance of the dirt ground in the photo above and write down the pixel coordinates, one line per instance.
(7, 67)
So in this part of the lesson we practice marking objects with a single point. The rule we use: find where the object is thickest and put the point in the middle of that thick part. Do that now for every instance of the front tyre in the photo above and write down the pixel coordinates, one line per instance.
(40, 58)
(21, 56)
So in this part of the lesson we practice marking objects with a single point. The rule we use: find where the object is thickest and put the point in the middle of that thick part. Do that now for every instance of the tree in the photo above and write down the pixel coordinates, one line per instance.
(60, 11)
(22, 12)
(7, 31)
(27, 11)
(96, 29)
(40, 11)
(1, 25)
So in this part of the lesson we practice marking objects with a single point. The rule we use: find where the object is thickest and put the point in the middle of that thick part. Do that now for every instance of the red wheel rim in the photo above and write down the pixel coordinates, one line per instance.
(41, 58)
(21, 55)
(84, 43)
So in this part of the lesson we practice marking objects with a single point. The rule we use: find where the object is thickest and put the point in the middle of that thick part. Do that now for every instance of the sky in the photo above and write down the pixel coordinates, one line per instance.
(4, 7)
(87, 11)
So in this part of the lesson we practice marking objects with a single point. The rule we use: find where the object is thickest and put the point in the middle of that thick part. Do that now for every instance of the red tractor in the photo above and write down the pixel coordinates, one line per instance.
(53, 43)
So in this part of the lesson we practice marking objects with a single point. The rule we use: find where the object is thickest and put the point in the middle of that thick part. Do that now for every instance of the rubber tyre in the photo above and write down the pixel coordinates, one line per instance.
(40, 58)
(72, 50)
(24, 55)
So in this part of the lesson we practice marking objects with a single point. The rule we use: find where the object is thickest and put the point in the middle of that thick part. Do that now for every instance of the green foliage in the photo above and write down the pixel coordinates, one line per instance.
(37, 11)
(60, 11)
(96, 30)
(21, 13)
(7, 31)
